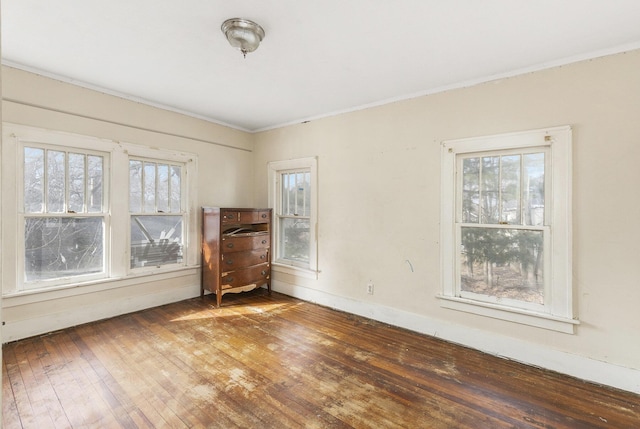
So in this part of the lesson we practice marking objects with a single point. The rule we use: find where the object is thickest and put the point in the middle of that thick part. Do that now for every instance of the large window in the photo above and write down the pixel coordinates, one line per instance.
(66, 222)
(293, 199)
(63, 216)
(506, 227)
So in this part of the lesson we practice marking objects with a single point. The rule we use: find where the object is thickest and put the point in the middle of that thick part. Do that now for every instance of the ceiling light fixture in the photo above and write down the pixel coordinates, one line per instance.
(243, 34)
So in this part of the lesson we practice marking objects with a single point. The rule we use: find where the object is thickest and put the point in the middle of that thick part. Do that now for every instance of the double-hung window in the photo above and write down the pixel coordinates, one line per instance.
(63, 216)
(506, 249)
(292, 195)
(157, 213)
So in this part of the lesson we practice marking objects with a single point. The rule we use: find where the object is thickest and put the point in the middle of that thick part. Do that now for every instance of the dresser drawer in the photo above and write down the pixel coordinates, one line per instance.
(239, 244)
(245, 217)
(255, 216)
(227, 217)
(257, 274)
(234, 260)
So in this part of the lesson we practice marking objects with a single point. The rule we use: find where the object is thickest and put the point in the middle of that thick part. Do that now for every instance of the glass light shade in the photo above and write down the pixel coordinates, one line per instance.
(243, 34)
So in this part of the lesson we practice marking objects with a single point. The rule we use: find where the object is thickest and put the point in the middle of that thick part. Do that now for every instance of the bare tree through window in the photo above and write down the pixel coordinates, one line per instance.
(63, 213)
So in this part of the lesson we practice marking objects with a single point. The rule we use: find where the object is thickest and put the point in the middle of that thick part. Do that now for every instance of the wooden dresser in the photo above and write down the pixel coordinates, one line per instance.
(236, 250)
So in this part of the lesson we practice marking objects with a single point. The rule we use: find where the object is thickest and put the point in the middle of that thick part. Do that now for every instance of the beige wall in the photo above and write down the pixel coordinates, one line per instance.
(225, 177)
(379, 201)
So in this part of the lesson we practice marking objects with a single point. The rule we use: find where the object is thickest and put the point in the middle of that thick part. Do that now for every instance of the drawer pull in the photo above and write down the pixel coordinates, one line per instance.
(264, 241)
(229, 261)
(230, 245)
(264, 215)
(263, 256)
(263, 272)
(228, 279)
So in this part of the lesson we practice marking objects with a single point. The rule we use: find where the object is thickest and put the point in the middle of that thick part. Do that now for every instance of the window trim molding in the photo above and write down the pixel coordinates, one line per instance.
(274, 169)
(559, 314)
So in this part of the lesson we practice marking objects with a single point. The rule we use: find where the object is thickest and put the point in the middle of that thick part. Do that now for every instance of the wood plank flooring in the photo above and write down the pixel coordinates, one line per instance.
(276, 362)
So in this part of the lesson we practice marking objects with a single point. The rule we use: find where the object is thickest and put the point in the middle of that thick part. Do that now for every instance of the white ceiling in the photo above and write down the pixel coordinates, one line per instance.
(318, 57)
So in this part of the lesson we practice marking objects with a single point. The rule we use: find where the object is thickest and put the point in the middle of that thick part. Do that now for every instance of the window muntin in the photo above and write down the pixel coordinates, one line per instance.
(503, 188)
(63, 216)
(156, 213)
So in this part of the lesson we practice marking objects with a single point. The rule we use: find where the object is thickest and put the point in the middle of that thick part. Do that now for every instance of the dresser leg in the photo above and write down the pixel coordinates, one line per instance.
(218, 299)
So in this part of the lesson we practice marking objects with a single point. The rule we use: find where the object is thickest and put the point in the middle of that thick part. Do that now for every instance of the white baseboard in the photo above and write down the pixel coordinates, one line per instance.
(521, 351)
(50, 322)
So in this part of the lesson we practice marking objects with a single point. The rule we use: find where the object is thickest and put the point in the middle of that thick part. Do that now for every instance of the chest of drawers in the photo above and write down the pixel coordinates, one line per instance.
(236, 250)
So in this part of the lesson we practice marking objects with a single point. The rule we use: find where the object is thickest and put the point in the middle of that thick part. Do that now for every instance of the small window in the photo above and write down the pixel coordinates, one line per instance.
(293, 199)
(157, 214)
(64, 214)
(506, 246)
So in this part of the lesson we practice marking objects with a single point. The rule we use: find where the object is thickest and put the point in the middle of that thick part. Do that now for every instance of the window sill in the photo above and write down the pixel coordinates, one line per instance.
(294, 271)
(55, 292)
(539, 320)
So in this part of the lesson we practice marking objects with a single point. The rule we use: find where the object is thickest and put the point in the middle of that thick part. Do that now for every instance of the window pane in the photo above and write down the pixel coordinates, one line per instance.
(490, 189)
(94, 170)
(156, 240)
(470, 189)
(33, 180)
(502, 263)
(296, 193)
(62, 247)
(55, 181)
(533, 201)
(304, 194)
(76, 182)
(287, 183)
(294, 239)
(510, 189)
(149, 188)
(162, 194)
(135, 186)
(176, 190)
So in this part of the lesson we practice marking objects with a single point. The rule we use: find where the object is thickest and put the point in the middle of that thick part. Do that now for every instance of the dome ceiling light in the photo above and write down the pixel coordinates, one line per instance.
(243, 34)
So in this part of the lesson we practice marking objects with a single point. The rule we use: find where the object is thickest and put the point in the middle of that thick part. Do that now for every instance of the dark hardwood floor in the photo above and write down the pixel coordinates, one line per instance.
(276, 362)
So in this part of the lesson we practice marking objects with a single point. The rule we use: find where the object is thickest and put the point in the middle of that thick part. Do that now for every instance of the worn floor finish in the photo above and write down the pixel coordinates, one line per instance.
(276, 362)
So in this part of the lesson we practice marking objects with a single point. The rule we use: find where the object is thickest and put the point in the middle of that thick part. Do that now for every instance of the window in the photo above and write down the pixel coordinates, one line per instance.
(506, 227)
(157, 216)
(63, 216)
(63, 227)
(292, 195)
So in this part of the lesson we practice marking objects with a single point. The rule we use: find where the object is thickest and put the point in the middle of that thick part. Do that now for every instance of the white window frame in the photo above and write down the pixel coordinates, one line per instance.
(557, 312)
(275, 171)
(117, 225)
